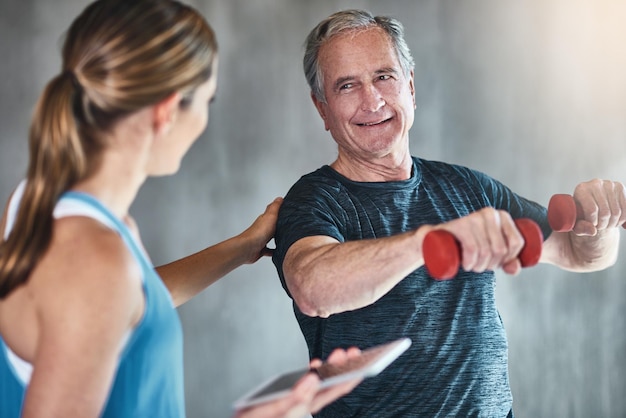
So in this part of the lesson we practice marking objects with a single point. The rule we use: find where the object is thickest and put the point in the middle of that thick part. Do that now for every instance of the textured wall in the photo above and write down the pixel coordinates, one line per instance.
(533, 93)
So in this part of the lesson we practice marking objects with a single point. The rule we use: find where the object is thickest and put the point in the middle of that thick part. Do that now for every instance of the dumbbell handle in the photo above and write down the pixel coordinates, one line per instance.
(563, 212)
(442, 252)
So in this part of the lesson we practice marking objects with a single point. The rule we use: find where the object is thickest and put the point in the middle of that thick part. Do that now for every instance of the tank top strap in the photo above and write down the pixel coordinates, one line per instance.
(119, 226)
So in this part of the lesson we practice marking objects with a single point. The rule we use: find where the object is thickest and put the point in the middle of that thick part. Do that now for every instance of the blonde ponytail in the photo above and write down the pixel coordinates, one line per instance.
(119, 56)
(57, 160)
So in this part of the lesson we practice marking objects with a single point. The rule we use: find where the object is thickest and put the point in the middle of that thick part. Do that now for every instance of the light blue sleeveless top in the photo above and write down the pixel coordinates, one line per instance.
(149, 379)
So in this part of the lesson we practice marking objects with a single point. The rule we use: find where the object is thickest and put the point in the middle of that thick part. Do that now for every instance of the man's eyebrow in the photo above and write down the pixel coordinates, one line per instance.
(341, 80)
(387, 70)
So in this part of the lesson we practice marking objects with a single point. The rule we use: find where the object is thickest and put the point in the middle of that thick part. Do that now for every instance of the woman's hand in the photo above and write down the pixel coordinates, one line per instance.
(306, 396)
(261, 232)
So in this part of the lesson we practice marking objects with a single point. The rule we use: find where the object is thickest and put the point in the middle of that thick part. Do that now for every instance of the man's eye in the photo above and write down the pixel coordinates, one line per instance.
(384, 77)
(345, 86)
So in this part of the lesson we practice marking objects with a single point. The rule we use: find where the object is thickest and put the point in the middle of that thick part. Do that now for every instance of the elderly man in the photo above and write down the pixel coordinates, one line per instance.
(349, 237)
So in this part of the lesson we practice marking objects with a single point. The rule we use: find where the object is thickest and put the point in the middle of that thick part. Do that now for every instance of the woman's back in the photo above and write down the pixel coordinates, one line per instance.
(93, 296)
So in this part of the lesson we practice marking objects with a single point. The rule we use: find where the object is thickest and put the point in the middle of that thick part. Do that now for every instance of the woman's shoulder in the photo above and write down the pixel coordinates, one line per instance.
(83, 246)
(87, 264)
(86, 279)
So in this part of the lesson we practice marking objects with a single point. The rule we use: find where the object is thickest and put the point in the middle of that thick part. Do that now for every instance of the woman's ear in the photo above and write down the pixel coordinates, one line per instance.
(165, 112)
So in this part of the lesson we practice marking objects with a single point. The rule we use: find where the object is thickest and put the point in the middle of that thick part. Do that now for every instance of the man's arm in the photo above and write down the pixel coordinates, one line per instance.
(593, 244)
(326, 277)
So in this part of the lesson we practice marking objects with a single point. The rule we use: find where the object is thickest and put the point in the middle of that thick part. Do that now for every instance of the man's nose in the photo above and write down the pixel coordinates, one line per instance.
(371, 99)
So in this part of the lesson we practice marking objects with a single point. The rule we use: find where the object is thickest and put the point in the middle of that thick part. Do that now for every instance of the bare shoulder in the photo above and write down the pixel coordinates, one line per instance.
(88, 268)
(85, 291)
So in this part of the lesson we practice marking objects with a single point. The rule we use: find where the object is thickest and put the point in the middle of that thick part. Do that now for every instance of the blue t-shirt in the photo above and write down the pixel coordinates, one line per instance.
(457, 364)
(149, 377)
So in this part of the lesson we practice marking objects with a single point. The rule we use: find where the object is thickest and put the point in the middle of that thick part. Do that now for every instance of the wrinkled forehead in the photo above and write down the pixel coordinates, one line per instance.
(354, 36)
(352, 48)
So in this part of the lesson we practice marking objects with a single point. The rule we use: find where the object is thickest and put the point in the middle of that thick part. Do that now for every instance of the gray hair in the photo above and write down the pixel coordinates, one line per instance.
(344, 21)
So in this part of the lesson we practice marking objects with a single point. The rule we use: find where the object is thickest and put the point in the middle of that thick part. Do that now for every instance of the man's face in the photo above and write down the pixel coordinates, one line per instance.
(369, 100)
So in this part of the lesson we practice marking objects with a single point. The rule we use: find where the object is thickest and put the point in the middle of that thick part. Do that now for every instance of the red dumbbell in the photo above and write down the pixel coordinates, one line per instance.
(563, 212)
(442, 253)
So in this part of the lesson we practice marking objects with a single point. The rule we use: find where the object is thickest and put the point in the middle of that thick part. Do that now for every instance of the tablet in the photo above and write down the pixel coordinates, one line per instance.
(371, 362)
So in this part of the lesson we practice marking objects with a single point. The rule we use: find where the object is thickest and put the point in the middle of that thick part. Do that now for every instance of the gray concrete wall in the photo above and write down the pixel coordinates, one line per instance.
(532, 92)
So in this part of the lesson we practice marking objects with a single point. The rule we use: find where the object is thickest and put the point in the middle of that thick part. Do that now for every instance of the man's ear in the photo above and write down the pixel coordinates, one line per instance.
(412, 87)
(321, 108)
(165, 112)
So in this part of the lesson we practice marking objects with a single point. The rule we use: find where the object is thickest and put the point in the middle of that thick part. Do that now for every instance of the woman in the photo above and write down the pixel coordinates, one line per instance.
(87, 326)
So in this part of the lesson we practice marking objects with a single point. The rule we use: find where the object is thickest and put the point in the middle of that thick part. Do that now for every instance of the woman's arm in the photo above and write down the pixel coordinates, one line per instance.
(190, 275)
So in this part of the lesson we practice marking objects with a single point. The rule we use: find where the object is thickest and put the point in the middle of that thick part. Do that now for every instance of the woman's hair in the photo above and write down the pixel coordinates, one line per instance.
(349, 20)
(119, 56)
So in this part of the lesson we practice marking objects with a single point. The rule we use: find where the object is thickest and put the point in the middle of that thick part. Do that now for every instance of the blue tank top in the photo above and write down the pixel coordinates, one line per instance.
(149, 378)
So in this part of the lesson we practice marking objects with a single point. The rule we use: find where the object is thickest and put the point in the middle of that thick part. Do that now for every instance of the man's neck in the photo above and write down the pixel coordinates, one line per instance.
(381, 170)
